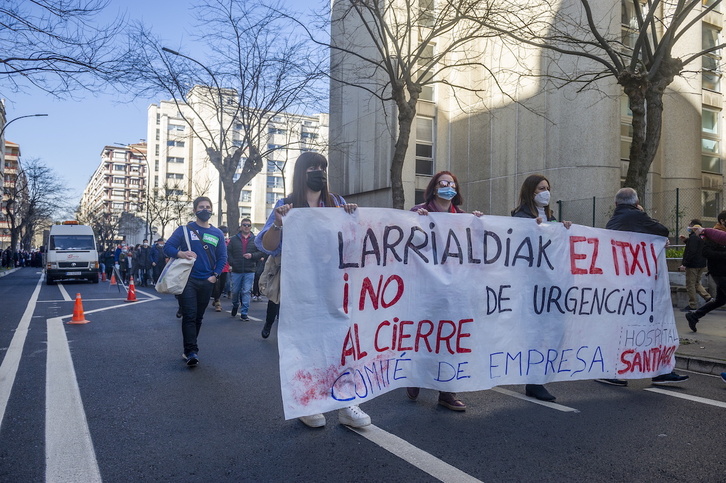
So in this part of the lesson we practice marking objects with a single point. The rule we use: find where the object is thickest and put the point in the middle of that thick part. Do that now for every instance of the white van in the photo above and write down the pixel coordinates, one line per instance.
(71, 253)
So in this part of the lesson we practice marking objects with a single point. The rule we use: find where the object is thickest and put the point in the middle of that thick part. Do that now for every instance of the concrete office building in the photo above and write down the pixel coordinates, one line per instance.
(579, 140)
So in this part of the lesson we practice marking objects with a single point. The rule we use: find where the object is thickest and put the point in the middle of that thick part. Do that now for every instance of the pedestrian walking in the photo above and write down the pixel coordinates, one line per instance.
(441, 196)
(630, 216)
(714, 249)
(210, 255)
(534, 202)
(243, 256)
(694, 264)
(309, 189)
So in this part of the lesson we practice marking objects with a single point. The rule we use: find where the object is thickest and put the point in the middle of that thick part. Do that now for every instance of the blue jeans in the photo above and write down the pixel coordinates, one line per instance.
(193, 301)
(241, 289)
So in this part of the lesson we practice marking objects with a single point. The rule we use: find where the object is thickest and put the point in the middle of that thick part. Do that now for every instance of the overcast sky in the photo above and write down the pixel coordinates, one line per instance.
(71, 138)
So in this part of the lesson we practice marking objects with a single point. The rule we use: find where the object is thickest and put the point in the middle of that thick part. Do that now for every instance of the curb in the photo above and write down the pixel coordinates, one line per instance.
(701, 364)
(8, 272)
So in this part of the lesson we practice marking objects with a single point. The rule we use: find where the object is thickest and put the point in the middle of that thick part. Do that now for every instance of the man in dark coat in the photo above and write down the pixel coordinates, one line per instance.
(694, 264)
(243, 255)
(630, 216)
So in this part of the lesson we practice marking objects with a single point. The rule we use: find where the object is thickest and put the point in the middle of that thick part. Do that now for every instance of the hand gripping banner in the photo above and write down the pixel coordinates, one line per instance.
(381, 299)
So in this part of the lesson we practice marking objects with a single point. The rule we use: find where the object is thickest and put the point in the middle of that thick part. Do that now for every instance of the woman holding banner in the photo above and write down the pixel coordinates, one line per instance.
(309, 189)
(441, 196)
(534, 202)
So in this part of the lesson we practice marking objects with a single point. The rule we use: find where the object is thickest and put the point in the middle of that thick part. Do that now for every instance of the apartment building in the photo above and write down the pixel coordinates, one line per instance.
(492, 141)
(11, 169)
(117, 191)
(179, 135)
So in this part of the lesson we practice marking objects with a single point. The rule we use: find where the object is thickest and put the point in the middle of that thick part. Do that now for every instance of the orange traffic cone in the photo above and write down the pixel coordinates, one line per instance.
(132, 291)
(113, 278)
(78, 317)
(103, 276)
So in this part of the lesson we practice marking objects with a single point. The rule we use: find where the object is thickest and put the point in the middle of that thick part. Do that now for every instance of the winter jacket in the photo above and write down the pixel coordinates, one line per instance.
(237, 262)
(693, 253)
(630, 218)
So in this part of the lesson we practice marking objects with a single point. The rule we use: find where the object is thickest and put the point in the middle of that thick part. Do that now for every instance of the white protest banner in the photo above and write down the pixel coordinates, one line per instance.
(381, 299)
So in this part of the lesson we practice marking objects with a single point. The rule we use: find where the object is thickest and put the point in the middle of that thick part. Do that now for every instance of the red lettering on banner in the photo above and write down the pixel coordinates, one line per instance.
(376, 296)
(433, 337)
(649, 360)
(574, 269)
(351, 346)
(634, 257)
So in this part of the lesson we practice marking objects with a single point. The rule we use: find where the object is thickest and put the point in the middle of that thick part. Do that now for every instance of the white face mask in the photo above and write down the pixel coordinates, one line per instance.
(542, 198)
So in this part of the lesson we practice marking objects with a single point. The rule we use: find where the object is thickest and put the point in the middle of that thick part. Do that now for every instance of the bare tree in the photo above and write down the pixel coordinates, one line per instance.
(104, 224)
(55, 44)
(396, 51)
(640, 58)
(36, 195)
(254, 69)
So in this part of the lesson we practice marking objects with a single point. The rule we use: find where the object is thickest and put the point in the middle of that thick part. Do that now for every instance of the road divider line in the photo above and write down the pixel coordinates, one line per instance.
(11, 361)
(532, 400)
(69, 453)
(64, 292)
(419, 458)
(688, 397)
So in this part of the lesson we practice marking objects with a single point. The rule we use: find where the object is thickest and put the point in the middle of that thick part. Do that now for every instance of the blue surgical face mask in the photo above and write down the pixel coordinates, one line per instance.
(204, 215)
(446, 192)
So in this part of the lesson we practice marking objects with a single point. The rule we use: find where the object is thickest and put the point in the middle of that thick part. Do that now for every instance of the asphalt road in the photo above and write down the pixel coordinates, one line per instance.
(112, 401)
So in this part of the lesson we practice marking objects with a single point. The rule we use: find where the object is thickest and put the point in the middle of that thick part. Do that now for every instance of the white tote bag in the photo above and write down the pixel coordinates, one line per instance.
(174, 277)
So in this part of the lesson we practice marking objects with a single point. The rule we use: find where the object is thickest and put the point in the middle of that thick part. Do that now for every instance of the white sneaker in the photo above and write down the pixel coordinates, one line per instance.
(354, 417)
(314, 420)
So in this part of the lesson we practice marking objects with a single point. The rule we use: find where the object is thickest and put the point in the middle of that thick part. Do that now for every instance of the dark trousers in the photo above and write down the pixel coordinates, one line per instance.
(156, 270)
(717, 301)
(193, 301)
(272, 310)
(219, 286)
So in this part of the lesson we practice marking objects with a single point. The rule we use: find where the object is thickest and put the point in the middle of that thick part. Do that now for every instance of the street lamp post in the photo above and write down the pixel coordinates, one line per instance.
(2, 131)
(147, 229)
(221, 124)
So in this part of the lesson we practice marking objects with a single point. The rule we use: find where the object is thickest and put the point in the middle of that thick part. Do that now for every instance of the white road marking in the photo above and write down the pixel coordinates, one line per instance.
(688, 397)
(69, 452)
(419, 458)
(63, 292)
(548, 404)
(11, 361)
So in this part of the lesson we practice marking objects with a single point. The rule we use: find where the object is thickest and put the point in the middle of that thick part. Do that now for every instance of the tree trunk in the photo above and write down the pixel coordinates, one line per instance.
(406, 116)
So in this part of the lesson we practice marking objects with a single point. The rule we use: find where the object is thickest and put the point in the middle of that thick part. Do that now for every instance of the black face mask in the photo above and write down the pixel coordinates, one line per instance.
(317, 180)
(204, 215)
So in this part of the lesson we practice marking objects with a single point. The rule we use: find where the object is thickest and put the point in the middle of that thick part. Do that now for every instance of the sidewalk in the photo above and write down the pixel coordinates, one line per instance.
(7, 271)
(705, 350)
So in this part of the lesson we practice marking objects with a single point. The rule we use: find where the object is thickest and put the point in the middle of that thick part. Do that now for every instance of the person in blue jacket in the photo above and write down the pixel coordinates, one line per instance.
(209, 253)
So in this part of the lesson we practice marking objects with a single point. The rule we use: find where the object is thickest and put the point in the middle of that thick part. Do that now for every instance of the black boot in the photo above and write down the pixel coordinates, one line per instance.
(538, 391)
(266, 329)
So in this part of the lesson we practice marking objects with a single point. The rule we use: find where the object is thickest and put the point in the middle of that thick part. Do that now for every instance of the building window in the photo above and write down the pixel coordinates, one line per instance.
(174, 176)
(426, 13)
(424, 62)
(626, 128)
(246, 196)
(629, 22)
(179, 144)
(276, 130)
(273, 166)
(119, 167)
(308, 135)
(711, 78)
(708, 3)
(272, 198)
(119, 180)
(711, 202)
(425, 146)
(273, 147)
(418, 197)
(172, 159)
(274, 182)
(710, 141)
(176, 127)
